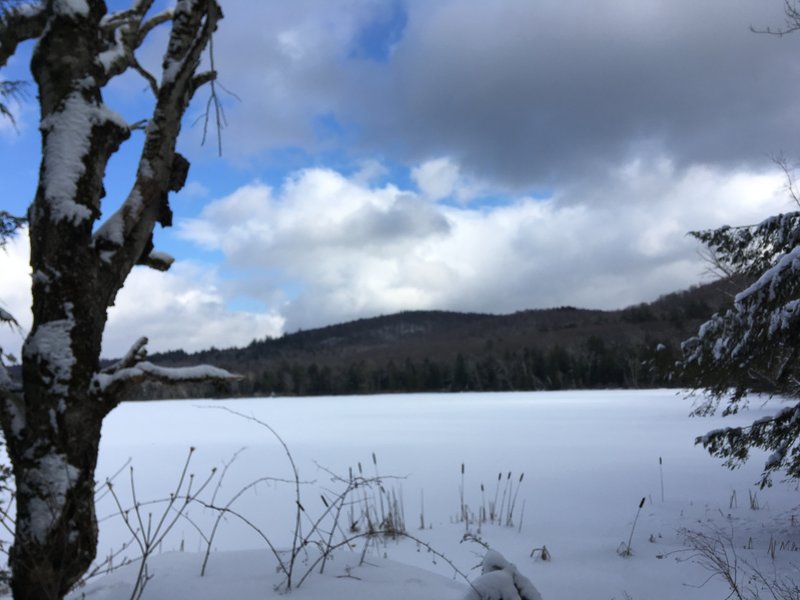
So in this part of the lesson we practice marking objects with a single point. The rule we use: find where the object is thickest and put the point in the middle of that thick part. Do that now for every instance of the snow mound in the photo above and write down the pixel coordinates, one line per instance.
(251, 575)
(501, 580)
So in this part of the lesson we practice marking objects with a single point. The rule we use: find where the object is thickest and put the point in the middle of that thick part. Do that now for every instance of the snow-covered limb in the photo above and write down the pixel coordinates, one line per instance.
(71, 132)
(136, 354)
(127, 30)
(189, 35)
(786, 264)
(105, 384)
(754, 248)
(137, 9)
(124, 238)
(779, 435)
(132, 368)
(753, 343)
(18, 24)
(160, 261)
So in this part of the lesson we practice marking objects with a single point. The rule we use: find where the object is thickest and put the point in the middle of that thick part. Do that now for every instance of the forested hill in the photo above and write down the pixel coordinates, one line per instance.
(559, 348)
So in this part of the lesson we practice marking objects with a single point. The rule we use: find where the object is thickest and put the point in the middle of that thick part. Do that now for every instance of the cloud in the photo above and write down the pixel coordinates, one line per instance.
(15, 297)
(643, 122)
(347, 250)
(184, 308)
(524, 93)
(441, 178)
(324, 248)
(521, 94)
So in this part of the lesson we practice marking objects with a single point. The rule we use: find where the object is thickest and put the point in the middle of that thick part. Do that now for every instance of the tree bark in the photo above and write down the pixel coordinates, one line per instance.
(53, 427)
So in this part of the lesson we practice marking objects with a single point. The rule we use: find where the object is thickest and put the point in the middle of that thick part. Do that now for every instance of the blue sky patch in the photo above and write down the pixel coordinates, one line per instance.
(378, 37)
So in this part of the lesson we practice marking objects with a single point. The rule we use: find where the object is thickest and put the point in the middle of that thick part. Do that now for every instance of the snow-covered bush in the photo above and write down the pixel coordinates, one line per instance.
(501, 580)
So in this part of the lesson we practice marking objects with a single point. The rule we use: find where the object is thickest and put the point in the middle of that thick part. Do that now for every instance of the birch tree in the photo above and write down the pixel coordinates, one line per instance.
(80, 258)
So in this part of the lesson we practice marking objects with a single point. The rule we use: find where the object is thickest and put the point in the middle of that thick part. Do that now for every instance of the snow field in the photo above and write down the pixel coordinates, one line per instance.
(587, 457)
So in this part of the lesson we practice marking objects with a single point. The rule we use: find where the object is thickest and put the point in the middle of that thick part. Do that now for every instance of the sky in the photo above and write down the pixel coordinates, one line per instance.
(389, 155)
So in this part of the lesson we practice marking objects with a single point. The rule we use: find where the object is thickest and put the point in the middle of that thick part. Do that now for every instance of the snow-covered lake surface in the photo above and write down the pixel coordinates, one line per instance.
(588, 459)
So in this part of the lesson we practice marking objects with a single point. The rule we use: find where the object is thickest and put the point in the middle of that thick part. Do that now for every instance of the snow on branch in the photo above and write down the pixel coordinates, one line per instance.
(136, 354)
(123, 240)
(133, 368)
(20, 23)
(160, 261)
(122, 17)
(70, 139)
(754, 342)
(126, 31)
(105, 384)
(190, 34)
(778, 435)
(753, 248)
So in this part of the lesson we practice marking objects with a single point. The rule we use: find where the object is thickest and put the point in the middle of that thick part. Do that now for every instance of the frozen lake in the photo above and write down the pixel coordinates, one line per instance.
(588, 458)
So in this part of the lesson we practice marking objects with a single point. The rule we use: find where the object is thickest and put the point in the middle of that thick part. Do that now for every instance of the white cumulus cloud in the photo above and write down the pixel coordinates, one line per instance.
(184, 308)
(342, 249)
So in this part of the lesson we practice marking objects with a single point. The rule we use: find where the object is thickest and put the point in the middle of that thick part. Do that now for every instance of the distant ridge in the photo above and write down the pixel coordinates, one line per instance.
(415, 351)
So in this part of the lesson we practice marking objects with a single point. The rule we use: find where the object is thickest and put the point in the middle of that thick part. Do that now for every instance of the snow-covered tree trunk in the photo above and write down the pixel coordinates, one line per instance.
(52, 425)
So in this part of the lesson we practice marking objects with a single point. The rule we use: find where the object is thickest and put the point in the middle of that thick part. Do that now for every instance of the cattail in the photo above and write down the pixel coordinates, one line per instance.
(630, 539)
(514, 502)
(493, 507)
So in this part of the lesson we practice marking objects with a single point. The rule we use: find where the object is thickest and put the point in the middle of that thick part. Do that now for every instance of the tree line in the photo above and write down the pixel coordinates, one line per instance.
(595, 364)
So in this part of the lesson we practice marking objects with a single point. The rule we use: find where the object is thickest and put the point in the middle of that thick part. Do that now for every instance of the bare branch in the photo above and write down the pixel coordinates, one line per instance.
(788, 170)
(152, 23)
(202, 79)
(147, 75)
(9, 224)
(791, 12)
(213, 101)
(137, 12)
(15, 91)
(716, 266)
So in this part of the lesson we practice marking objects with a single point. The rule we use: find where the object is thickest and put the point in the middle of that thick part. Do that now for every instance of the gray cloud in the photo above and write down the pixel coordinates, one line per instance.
(531, 92)
(523, 94)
